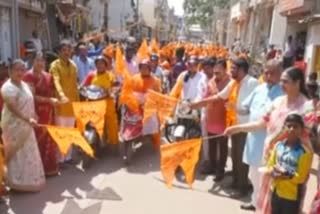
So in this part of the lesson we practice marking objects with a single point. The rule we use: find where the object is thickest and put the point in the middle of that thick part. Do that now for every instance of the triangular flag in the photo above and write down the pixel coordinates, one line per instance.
(143, 51)
(160, 104)
(183, 153)
(90, 111)
(154, 47)
(64, 137)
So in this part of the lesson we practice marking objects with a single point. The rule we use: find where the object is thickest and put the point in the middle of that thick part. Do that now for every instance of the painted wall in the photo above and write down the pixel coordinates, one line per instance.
(118, 12)
(278, 28)
(96, 13)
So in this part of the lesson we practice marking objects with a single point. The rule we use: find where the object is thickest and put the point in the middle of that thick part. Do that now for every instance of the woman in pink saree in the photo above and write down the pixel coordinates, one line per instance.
(24, 167)
(294, 100)
(41, 85)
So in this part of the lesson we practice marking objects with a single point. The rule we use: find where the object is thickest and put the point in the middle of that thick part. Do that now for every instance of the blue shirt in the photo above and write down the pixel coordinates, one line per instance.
(258, 103)
(84, 67)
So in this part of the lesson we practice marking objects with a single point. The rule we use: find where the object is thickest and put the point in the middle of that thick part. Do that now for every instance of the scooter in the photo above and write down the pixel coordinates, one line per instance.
(92, 93)
(132, 135)
(185, 124)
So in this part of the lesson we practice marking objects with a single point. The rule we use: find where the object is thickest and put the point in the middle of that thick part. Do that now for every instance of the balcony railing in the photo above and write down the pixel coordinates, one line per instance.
(34, 5)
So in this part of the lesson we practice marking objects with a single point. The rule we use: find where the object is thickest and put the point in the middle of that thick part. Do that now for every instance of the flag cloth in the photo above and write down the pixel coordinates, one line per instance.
(64, 137)
(143, 51)
(120, 66)
(154, 47)
(94, 112)
(184, 153)
(160, 104)
(126, 96)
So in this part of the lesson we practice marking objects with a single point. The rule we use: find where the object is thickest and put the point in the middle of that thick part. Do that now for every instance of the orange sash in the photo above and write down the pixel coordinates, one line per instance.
(231, 118)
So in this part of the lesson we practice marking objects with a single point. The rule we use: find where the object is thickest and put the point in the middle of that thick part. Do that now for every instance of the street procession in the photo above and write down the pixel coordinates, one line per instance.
(159, 106)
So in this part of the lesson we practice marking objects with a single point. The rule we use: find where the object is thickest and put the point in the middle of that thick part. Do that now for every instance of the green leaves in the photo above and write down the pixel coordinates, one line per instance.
(201, 11)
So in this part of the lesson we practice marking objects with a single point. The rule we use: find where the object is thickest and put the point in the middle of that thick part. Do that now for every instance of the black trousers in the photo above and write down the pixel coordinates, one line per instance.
(240, 170)
(287, 62)
(283, 206)
(218, 153)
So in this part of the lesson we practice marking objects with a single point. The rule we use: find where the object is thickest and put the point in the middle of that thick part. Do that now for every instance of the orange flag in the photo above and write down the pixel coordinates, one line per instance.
(184, 153)
(126, 97)
(64, 137)
(120, 67)
(154, 47)
(108, 51)
(160, 104)
(90, 111)
(143, 51)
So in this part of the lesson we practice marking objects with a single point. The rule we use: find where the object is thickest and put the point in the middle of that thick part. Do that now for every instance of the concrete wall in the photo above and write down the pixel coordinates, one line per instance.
(278, 28)
(313, 40)
(147, 9)
(118, 10)
(96, 13)
(5, 34)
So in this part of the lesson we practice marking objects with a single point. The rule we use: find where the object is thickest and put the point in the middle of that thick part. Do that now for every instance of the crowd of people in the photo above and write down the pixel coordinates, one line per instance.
(269, 121)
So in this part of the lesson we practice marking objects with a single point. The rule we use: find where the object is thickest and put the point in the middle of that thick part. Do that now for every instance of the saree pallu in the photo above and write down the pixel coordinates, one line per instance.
(48, 149)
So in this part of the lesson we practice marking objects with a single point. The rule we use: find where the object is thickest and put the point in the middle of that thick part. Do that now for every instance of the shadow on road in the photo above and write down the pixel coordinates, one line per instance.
(65, 186)
(145, 160)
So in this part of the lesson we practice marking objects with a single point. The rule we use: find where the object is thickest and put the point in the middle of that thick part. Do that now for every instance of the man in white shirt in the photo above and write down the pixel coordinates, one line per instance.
(131, 63)
(244, 85)
(36, 41)
(193, 81)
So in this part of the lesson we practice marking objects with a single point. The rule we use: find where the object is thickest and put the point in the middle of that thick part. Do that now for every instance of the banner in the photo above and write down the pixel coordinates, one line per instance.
(160, 104)
(65, 137)
(90, 111)
(184, 154)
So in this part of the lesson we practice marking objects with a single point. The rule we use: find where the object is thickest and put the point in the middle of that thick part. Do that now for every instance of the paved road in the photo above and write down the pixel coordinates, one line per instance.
(140, 187)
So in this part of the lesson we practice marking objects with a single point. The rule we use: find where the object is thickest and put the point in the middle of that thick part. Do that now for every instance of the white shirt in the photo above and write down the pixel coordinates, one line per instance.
(37, 44)
(132, 67)
(193, 89)
(247, 85)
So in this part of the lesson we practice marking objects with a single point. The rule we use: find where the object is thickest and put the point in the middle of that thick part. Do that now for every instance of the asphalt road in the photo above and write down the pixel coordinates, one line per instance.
(138, 189)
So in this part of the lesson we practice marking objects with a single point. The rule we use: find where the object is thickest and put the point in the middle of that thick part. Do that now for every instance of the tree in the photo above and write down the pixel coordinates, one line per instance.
(202, 11)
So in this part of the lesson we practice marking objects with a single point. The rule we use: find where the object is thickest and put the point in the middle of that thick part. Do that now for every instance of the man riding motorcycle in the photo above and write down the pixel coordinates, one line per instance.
(132, 129)
(190, 84)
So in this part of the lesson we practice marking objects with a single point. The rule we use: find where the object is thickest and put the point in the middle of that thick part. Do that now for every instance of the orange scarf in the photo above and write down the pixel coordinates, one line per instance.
(231, 118)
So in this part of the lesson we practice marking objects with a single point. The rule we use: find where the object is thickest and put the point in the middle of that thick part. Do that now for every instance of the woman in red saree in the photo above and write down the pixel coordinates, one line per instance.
(41, 84)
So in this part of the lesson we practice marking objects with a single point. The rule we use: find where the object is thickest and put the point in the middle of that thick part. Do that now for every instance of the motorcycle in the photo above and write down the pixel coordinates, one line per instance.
(133, 133)
(185, 124)
(92, 93)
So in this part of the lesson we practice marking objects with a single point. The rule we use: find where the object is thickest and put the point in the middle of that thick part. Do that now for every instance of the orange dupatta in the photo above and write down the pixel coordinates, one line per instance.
(231, 118)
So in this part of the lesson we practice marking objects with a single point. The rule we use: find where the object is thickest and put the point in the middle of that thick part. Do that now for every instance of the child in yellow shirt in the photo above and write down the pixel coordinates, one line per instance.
(289, 164)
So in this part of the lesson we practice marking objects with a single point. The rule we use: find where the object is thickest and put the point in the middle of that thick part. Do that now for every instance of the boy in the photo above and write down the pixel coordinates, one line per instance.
(289, 165)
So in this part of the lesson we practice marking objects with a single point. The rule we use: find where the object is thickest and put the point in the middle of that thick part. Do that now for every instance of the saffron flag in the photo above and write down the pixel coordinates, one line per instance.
(160, 104)
(184, 154)
(93, 112)
(154, 47)
(65, 137)
(143, 51)
(126, 96)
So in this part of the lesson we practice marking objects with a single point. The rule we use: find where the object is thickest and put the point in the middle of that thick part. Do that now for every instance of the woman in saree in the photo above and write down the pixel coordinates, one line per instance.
(24, 166)
(105, 79)
(41, 84)
(294, 100)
